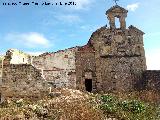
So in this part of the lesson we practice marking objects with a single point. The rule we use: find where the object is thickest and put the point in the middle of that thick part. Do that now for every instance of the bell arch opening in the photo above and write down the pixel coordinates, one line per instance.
(117, 22)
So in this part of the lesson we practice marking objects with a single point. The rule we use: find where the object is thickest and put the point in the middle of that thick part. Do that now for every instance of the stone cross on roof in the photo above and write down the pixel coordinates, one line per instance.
(115, 1)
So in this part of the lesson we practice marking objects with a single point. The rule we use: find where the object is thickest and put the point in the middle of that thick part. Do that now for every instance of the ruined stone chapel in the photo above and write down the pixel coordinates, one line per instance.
(112, 60)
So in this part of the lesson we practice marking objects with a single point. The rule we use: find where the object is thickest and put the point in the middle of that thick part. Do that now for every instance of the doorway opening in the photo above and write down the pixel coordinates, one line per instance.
(88, 85)
(0, 98)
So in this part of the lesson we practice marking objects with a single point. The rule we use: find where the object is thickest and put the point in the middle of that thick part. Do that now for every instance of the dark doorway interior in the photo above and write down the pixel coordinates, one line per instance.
(0, 97)
(88, 85)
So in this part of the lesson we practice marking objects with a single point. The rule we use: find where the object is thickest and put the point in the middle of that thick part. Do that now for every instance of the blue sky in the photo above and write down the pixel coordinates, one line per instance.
(37, 29)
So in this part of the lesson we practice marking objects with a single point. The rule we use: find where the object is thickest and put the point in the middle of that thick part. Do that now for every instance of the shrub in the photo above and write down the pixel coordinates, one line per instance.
(133, 106)
(109, 103)
(19, 103)
(107, 98)
(127, 109)
(109, 107)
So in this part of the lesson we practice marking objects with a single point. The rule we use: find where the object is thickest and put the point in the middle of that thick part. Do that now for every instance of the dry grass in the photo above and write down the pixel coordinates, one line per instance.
(70, 105)
(77, 110)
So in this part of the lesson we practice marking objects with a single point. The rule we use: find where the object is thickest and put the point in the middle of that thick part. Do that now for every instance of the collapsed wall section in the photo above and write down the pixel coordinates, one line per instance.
(58, 67)
(21, 80)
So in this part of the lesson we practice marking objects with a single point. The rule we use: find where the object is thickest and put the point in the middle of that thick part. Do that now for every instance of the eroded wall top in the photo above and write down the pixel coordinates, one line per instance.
(64, 59)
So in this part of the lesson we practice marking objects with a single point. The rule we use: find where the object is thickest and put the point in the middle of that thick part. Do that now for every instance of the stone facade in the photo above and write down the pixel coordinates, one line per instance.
(117, 60)
(85, 67)
(112, 60)
(152, 80)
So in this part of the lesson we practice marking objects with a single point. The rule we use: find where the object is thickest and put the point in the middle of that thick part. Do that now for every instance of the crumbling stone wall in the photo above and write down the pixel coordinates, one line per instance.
(152, 80)
(22, 80)
(58, 67)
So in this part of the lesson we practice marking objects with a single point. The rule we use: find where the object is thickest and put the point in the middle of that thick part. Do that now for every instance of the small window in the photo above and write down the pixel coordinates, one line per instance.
(23, 59)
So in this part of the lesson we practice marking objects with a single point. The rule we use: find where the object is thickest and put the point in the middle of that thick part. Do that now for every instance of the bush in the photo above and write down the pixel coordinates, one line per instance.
(127, 109)
(133, 106)
(109, 104)
(19, 103)
(110, 108)
(107, 98)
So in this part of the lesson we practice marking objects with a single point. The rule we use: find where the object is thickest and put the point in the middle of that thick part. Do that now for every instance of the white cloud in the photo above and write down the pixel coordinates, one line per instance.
(153, 59)
(35, 53)
(90, 28)
(133, 7)
(31, 39)
(68, 18)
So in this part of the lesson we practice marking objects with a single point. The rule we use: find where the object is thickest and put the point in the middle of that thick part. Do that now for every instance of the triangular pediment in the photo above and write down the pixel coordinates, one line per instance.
(131, 27)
